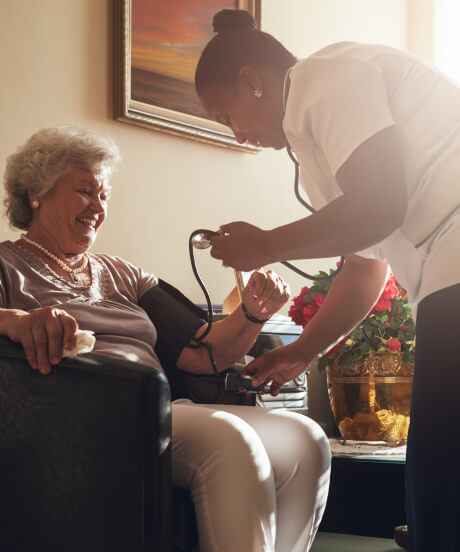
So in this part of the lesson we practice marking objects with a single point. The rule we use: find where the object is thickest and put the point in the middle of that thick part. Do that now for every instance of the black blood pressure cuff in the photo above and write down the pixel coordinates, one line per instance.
(176, 320)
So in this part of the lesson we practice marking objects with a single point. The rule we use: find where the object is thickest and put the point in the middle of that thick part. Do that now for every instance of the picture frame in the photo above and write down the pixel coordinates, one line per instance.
(145, 52)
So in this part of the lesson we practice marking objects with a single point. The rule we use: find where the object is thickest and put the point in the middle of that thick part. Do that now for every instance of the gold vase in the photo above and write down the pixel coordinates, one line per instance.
(370, 398)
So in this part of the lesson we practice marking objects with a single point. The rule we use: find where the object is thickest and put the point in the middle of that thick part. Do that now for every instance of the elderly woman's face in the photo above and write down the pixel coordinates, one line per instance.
(72, 212)
(254, 120)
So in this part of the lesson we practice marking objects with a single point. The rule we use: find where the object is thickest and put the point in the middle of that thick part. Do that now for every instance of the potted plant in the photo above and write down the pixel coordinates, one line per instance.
(369, 371)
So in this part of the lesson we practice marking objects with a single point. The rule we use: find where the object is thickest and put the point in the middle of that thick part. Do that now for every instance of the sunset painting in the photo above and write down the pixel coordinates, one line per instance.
(167, 38)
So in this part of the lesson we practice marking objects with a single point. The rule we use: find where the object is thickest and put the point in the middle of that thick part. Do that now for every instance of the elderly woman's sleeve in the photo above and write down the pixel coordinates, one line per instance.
(2, 289)
(176, 318)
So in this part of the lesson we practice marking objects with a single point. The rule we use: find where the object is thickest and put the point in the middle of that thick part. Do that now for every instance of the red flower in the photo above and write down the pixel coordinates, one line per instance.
(402, 291)
(298, 301)
(318, 300)
(301, 312)
(304, 291)
(394, 344)
(390, 291)
(296, 314)
(308, 312)
(382, 304)
(376, 330)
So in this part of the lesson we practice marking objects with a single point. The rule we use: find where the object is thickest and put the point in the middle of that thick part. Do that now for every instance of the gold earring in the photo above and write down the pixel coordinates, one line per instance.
(35, 204)
(258, 93)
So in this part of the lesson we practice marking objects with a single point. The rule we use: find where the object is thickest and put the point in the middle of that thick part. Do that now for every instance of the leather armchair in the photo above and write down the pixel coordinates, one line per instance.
(84, 456)
(85, 453)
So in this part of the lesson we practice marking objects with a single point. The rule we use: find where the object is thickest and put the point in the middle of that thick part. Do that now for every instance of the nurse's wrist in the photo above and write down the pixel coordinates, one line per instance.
(272, 247)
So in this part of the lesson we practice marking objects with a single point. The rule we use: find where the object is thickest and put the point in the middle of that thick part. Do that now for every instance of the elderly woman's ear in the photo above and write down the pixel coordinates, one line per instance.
(33, 200)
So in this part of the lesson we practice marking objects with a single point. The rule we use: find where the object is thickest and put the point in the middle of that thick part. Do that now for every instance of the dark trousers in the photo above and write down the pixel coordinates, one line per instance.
(433, 448)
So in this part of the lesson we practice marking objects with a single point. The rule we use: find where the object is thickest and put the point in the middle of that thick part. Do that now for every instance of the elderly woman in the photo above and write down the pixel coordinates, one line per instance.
(264, 473)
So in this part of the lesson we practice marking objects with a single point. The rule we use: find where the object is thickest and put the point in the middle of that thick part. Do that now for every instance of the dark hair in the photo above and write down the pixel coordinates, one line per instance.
(238, 43)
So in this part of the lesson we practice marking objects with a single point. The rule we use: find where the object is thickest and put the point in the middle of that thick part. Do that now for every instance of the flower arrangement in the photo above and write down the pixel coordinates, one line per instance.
(388, 327)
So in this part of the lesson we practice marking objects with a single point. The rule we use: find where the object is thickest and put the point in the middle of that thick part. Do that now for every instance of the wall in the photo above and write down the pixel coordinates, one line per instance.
(420, 32)
(56, 68)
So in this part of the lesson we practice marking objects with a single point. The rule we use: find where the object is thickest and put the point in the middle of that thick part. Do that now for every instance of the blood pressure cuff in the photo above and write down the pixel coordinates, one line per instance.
(176, 320)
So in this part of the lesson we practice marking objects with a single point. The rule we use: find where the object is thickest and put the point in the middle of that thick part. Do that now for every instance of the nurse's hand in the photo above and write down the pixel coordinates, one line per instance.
(278, 366)
(242, 246)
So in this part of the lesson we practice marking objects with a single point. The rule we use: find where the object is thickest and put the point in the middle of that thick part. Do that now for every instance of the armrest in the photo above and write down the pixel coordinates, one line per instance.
(84, 455)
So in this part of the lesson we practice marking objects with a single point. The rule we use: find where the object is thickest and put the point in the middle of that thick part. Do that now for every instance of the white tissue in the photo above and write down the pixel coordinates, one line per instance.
(85, 344)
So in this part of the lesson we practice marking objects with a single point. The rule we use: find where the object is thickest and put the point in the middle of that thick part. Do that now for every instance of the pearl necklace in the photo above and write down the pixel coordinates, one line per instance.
(72, 271)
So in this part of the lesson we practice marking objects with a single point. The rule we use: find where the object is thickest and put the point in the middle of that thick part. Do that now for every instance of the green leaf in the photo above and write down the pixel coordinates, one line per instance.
(323, 363)
(409, 356)
(410, 327)
(381, 316)
(346, 359)
(314, 290)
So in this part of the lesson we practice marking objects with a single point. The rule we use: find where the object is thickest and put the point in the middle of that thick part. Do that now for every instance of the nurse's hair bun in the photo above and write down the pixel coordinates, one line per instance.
(233, 20)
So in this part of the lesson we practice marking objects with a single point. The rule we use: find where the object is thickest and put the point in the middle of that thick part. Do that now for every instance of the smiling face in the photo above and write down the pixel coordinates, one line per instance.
(258, 121)
(71, 213)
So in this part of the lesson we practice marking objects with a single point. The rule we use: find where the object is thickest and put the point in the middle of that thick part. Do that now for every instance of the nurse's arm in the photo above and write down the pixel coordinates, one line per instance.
(352, 296)
(354, 292)
(373, 205)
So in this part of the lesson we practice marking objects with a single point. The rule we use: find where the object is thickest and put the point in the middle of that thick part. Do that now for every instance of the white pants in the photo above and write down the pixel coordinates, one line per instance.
(258, 478)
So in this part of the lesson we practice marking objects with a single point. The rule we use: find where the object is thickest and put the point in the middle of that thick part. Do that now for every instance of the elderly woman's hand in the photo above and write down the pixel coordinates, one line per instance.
(265, 294)
(44, 334)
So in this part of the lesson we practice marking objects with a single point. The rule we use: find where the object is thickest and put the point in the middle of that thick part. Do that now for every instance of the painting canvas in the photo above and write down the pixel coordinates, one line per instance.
(159, 48)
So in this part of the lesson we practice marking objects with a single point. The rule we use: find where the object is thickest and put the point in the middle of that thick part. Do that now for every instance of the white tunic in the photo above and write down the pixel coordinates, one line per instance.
(347, 92)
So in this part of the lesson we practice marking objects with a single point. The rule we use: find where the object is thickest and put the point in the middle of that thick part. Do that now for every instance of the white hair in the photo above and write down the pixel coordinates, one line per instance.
(45, 157)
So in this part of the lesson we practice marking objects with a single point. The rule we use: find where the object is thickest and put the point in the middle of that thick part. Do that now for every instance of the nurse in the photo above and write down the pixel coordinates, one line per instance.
(376, 133)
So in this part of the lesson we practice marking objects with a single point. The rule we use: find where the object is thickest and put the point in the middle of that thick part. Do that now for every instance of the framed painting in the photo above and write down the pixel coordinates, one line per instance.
(157, 45)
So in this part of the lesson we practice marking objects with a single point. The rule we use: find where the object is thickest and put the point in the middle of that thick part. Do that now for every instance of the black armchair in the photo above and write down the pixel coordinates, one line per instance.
(84, 456)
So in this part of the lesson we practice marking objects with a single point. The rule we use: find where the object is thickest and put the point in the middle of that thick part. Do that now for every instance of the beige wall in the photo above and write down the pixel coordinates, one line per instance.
(55, 68)
(420, 36)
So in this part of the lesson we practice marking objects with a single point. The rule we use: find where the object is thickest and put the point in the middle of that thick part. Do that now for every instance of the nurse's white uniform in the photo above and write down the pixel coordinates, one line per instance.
(338, 98)
(344, 94)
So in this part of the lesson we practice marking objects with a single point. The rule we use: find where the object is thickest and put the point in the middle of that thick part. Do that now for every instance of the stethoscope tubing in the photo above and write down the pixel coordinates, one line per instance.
(312, 210)
(198, 341)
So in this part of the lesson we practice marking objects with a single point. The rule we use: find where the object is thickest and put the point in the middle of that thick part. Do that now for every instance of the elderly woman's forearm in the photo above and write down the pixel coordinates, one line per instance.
(7, 318)
(231, 339)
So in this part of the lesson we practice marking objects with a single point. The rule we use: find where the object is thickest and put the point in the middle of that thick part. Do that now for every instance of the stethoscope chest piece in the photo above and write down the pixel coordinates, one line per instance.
(201, 239)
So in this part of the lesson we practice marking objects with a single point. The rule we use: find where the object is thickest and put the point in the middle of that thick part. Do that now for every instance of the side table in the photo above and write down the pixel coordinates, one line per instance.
(366, 495)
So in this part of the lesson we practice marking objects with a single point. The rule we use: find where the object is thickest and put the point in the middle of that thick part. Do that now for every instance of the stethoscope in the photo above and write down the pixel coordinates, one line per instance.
(312, 210)
(201, 239)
